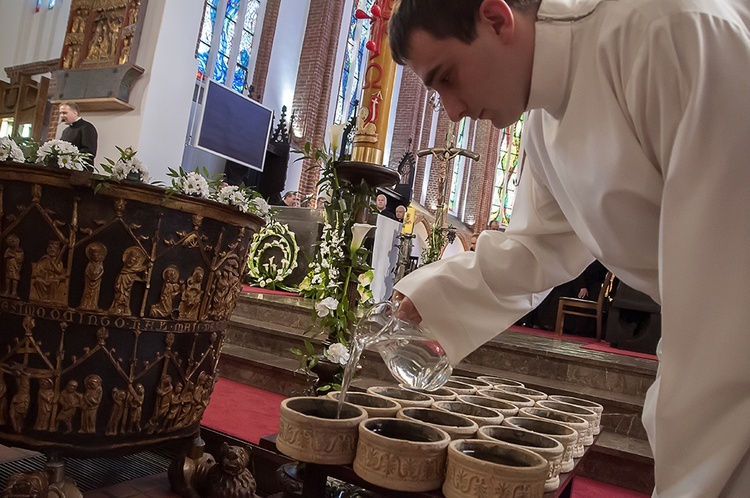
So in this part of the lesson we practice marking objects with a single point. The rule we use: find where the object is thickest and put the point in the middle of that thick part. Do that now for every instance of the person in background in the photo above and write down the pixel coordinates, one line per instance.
(380, 203)
(473, 246)
(291, 198)
(400, 212)
(79, 132)
(320, 203)
(620, 96)
(493, 225)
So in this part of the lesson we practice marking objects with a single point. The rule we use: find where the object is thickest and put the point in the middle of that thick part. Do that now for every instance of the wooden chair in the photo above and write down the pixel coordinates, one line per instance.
(586, 308)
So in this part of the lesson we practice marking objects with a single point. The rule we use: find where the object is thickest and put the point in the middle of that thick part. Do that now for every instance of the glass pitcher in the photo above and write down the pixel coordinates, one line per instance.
(409, 351)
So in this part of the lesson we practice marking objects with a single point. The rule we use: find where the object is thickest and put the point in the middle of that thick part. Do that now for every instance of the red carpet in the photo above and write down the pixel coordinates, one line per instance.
(242, 411)
(250, 413)
(606, 348)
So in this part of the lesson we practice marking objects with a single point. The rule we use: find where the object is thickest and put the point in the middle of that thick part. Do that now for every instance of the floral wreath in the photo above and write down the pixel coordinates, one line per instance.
(269, 274)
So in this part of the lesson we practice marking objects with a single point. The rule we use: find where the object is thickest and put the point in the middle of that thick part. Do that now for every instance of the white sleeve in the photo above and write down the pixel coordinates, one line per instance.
(467, 299)
(689, 98)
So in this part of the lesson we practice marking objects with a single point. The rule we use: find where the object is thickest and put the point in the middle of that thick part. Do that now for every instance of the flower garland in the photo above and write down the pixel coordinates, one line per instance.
(265, 271)
(62, 154)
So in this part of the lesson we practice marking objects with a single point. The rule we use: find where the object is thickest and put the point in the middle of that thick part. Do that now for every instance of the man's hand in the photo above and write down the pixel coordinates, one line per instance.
(583, 293)
(406, 309)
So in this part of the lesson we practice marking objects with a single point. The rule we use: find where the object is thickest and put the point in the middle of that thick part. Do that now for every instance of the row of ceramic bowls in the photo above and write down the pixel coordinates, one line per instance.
(489, 430)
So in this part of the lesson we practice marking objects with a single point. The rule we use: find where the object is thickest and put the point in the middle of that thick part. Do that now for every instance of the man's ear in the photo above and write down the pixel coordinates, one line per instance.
(498, 16)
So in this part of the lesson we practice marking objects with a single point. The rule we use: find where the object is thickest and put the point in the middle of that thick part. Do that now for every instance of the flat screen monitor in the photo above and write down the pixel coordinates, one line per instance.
(233, 126)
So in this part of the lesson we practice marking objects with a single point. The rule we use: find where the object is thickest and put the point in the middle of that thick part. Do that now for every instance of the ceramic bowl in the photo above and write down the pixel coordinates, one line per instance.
(580, 425)
(479, 414)
(525, 391)
(457, 426)
(400, 454)
(472, 381)
(500, 381)
(404, 397)
(551, 449)
(514, 399)
(505, 408)
(309, 430)
(584, 403)
(439, 394)
(559, 432)
(479, 468)
(460, 387)
(586, 414)
(374, 405)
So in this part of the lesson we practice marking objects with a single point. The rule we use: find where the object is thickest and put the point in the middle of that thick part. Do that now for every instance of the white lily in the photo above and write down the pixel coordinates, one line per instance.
(359, 231)
(335, 133)
(337, 353)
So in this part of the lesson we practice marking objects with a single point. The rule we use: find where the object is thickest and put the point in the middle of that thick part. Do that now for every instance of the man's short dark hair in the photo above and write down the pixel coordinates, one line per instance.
(439, 18)
(290, 193)
(72, 106)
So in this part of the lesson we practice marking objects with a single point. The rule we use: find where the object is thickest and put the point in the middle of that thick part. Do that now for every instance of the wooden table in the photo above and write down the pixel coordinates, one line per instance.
(315, 476)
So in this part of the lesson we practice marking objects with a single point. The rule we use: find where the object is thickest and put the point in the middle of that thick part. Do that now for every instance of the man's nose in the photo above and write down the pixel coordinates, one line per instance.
(454, 107)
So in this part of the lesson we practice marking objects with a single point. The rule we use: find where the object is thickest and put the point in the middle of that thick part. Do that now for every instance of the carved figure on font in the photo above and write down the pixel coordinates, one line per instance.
(134, 264)
(90, 402)
(118, 412)
(186, 406)
(96, 252)
(135, 407)
(175, 405)
(170, 289)
(19, 405)
(13, 261)
(3, 398)
(224, 290)
(191, 296)
(161, 409)
(45, 398)
(48, 280)
(69, 403)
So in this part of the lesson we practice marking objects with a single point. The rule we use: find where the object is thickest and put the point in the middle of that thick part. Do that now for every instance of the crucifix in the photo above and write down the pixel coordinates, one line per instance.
(444, 157)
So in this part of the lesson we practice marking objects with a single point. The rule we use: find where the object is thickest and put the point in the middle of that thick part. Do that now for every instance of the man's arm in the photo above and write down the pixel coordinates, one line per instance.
(89, 139)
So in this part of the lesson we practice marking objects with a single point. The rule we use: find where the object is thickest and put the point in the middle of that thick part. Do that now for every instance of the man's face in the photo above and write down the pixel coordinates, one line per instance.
(486, 79)
(67, 115)
(380, 202)
(292, 200)
(400, 210)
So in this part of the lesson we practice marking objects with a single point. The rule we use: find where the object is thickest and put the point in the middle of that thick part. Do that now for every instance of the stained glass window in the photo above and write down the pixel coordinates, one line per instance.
(507, 172)
(354, 60)
(232, 50)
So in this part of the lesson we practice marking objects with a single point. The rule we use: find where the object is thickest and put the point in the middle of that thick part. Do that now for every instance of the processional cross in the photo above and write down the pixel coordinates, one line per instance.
(444, 157)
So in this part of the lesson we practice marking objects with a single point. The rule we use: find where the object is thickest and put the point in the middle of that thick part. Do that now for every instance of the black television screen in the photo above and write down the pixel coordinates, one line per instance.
(234, 126)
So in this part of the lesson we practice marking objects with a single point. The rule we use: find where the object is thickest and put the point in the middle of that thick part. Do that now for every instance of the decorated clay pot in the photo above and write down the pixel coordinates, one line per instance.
(374, 405)
(404, 397)
(460, 387)
(580, 425)
(559, 432)
(584, 413)
(310, 430)
(113, 309)
(402, 455)
(439, 394)
(505, 408)
(478, 383)
(479, 414)
(500, 381)
(457, 426)
(584, 403)
(525, 391)
(480, 468)
(515, 399)
(551, 449)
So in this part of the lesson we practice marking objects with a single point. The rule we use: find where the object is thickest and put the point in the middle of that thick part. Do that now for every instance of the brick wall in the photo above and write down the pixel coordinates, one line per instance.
(409, 112)
(268, 32)
(313, 90)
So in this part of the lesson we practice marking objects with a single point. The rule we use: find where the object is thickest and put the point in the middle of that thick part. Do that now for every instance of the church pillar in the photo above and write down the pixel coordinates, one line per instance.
(265, 44)
(314, 82)
(409, 114)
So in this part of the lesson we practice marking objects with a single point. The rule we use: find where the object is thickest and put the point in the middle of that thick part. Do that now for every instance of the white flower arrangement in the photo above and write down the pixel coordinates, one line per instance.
(324, 307)
(337, 353)
(193, 184)
(127, 167)
(10, 151)
(64, 154)
(274, 238)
